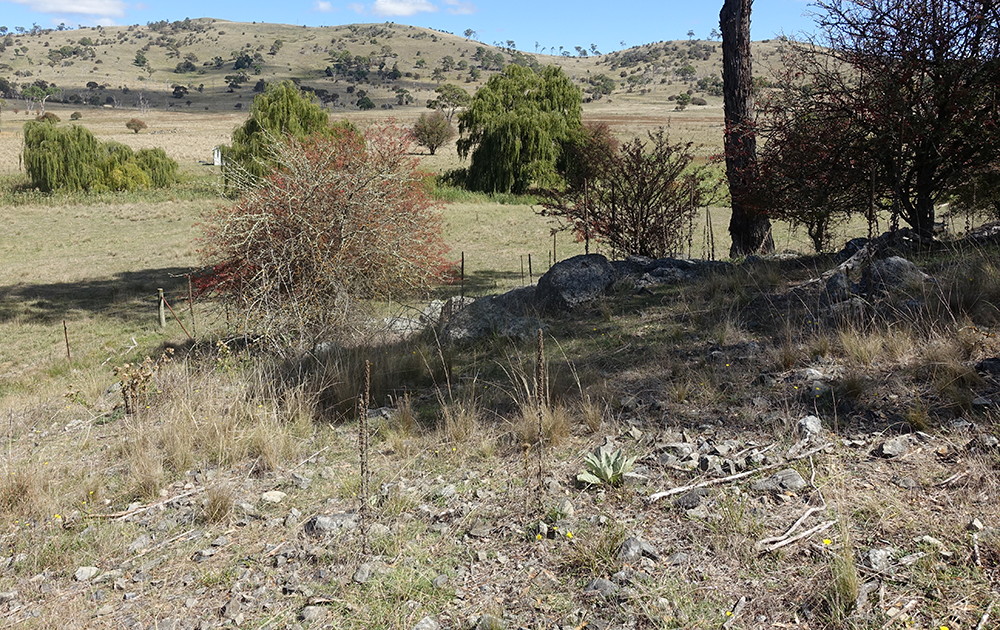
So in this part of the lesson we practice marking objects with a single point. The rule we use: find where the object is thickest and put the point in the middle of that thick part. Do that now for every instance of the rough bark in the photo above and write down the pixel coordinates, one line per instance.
(749, 226)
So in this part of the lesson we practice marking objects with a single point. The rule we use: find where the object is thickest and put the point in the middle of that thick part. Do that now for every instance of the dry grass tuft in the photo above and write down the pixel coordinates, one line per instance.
(555, 421)
(24, 492)
(218, 503)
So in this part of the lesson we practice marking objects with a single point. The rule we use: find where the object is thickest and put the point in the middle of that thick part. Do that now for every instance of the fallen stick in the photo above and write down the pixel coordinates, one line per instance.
(809, 532)
(142, 508)
(985, 618)
(712, 482)
(788, 532)
(734, 613)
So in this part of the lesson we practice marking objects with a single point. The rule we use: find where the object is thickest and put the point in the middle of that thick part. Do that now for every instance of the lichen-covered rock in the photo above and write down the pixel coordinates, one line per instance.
(574, 281)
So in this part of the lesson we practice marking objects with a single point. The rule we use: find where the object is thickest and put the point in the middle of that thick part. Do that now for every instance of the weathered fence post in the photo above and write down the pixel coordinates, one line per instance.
(162, 307)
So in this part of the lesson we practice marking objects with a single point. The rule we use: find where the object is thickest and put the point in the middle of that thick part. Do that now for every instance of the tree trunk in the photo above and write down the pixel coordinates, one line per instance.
(749, 226)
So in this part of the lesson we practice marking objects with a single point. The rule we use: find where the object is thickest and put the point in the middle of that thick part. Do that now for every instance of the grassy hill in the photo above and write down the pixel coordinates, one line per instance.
(394, 65)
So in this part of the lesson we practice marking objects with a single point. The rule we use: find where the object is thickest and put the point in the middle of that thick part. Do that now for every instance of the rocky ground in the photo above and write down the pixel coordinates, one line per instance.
(841, 478)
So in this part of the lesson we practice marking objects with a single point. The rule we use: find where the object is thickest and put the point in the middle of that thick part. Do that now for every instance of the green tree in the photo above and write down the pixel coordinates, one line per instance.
(515, 128)
(282, 110)
(140, 60)
(433, 130)
(71, 158)
(450, 98)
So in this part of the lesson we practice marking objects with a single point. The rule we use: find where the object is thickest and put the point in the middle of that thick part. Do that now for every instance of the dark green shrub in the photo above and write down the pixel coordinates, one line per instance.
(48, 117)
(75, 116)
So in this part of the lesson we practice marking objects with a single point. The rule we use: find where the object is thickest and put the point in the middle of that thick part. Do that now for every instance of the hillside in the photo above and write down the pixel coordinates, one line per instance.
(208, 64)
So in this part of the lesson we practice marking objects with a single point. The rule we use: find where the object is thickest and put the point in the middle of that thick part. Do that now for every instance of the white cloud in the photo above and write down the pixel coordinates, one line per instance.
(457, 7)
(103, 8)
(323, 6)
(403, 7)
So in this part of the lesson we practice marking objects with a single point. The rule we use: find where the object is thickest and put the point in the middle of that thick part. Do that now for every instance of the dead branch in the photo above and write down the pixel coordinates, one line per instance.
(120, 516)
(809, 532)
(713, 482)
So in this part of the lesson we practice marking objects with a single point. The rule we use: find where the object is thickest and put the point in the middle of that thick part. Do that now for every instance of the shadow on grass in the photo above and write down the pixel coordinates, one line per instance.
(480, 283)
(130, 295)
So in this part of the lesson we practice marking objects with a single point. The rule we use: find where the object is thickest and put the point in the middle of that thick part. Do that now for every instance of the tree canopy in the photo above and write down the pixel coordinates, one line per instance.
(515, 128)
(911, 87)
(281, 111)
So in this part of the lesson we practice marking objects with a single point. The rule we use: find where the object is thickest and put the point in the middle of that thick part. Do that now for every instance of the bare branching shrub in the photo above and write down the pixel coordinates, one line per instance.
(340, 221)
(640, 200)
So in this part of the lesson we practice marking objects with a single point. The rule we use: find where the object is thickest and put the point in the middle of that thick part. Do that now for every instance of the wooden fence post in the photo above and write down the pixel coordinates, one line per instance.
(162, 307)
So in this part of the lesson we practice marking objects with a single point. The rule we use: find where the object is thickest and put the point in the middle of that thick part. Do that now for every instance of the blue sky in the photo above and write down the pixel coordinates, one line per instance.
(550, 23)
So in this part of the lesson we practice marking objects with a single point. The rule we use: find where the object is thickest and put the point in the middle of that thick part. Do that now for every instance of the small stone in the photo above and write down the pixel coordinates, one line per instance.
(907, 483)
(880, 559)
(273, 496)
(989, 366)
(446, 492)
(321, 525)
(489, 622)
(809, 427)
(480, 531)
(975, 525)
(787, 479)
(379, 530)
(566, 508)
(439, 581)
(678, 558)
(363, 573)
(312, 613)
(601, 586)
(691, 500)
(630, 550)
(84, 574)
(8, 596)
(984, 443)
(221, 541)
(140, 543)
(427, 623)
(231, 609)
(894, 447)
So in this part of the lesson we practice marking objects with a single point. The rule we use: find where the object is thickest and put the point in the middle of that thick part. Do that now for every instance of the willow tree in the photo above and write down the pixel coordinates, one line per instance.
(516, 126)
(749, 226)
(281, 111)
(72, 159)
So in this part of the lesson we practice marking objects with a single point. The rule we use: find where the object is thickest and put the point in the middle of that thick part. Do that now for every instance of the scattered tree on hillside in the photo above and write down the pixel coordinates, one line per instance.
(749, 226)
(450, 98)
(341, 220)
(433, 130)
(515, 127)
(135, 125)
(912, 88)
(640, 199)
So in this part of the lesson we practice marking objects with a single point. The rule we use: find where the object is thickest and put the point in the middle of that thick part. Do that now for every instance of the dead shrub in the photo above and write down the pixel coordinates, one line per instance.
(342, 220)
